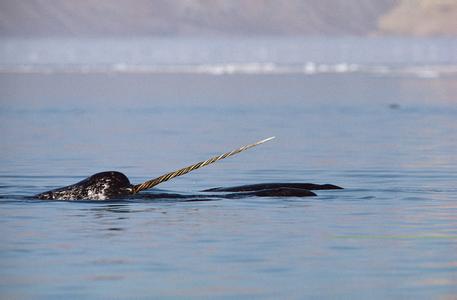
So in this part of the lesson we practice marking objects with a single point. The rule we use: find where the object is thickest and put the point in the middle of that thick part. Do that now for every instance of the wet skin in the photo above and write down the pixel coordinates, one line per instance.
(115, 185)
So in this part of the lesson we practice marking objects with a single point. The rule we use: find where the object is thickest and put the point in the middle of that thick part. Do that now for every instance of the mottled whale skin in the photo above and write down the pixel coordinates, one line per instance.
(100, 186)
(115, 185)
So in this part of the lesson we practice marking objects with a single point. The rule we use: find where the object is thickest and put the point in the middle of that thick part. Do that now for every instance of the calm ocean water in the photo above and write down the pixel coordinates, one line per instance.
(390, 140)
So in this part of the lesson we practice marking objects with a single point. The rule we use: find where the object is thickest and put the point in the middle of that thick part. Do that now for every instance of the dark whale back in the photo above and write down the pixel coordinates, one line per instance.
(100, 186)
(273, 186)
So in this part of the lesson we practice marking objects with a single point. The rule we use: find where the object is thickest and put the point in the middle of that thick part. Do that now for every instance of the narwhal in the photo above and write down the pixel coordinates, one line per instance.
(115, 185)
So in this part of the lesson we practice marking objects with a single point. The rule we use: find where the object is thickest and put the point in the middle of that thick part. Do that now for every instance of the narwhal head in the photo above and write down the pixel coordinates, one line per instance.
(100, 186)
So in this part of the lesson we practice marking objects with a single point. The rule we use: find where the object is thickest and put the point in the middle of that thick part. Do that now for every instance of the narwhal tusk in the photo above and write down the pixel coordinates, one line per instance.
(153, 182)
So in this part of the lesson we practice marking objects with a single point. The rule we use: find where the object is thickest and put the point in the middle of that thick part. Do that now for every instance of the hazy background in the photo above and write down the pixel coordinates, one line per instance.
(227, 17)
(221, 36)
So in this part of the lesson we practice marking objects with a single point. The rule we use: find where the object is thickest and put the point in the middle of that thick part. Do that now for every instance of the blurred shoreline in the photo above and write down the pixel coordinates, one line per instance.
(421, 57)
(426, 71)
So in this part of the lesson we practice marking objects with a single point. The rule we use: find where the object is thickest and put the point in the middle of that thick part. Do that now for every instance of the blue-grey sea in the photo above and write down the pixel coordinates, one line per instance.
(388, 137)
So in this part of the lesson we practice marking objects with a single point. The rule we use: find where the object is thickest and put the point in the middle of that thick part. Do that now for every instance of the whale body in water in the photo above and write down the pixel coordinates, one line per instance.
(115, 185)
